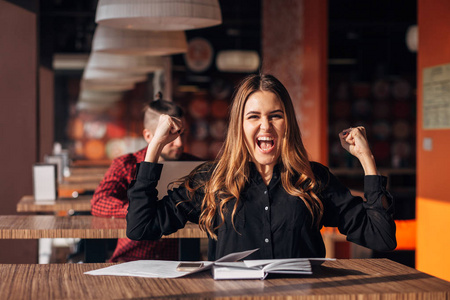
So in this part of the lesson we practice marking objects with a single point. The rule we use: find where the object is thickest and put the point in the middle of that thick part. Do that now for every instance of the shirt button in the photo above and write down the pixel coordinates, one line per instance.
(265, 192)
(266, 208)
(266, 240)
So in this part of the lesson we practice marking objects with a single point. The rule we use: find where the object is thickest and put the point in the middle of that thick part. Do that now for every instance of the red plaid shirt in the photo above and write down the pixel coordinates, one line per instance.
(110, 200)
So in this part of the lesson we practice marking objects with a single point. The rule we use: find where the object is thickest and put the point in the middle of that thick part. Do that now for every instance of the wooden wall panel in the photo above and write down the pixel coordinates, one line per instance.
(18, 134)
(46, 111)
(294, 49)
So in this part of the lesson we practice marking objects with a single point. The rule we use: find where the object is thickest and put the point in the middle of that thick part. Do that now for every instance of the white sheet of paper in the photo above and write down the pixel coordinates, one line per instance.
(160, 268)
(146, 268)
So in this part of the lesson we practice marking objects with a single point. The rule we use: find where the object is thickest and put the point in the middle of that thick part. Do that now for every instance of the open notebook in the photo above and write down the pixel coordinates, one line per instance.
(227, 267)
(173, 170)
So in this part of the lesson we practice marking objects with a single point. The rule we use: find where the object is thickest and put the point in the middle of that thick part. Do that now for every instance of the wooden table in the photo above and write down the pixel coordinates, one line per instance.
(28, 204)
(84, 178)
(76, 170)
(93, 229)
(101, 163)
(78, 186)
(69, 188)
(341, 279)
(85, 227)
(81, 180)
(85, 174)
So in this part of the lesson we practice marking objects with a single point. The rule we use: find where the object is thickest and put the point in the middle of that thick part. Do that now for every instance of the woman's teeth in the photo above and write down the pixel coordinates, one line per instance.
(265, 143)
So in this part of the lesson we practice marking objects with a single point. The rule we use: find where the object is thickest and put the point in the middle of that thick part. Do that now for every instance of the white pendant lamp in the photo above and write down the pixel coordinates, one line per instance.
(412, 38)
(100, 96)
(126, 63)
(138, 42)
(240, 61)
(97, 100)
(158, 14)
(96, 75)
(93, 106)
(106, 86)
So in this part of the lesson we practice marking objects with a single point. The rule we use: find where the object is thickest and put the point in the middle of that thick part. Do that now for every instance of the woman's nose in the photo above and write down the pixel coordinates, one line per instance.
(265, 124)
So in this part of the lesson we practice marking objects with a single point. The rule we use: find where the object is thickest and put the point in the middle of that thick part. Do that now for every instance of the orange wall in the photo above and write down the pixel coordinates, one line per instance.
(314, 104)
(433, 177)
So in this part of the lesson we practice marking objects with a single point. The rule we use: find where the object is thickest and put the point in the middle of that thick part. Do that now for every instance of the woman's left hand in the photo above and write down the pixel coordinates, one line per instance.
(354, 140)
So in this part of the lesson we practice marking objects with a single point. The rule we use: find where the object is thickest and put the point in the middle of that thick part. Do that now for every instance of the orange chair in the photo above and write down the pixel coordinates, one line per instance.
(406, 234)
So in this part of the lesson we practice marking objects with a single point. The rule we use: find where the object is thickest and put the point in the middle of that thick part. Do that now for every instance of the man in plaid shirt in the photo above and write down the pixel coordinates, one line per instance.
(110, 197)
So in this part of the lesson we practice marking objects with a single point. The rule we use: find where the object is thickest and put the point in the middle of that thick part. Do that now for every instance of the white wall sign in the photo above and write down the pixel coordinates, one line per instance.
(436, 97)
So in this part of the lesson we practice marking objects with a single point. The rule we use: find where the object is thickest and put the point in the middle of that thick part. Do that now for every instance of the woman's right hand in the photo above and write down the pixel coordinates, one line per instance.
(168, 129)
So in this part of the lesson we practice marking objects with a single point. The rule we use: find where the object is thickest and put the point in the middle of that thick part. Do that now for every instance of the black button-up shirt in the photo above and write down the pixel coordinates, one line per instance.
(267, 217)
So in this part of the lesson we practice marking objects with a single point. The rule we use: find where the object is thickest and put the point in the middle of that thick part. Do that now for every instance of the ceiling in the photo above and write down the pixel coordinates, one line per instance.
(68, 26)
(370, 34)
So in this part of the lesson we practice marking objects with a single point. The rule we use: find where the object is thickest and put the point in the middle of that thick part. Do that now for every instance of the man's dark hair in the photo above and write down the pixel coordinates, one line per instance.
(158, 107)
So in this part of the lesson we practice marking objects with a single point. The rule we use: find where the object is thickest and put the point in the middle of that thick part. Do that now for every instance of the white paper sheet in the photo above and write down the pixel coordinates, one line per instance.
(147, 268)
(160, 268)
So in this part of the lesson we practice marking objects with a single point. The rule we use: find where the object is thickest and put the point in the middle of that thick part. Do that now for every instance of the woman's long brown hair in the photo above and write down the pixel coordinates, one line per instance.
(232, 168)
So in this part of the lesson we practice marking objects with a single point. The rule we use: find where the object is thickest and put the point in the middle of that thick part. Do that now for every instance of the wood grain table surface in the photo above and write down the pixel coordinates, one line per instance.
(80, 186)
(85, 227)
(341, 279)
(85, 175)
(28, 204)
(83, 179)
(101, 163)
(80, 171)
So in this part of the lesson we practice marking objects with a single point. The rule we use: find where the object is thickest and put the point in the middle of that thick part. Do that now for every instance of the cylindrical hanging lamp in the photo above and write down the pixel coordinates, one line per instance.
(93, 106)
(412, 38)
(106, 86)
(237, 61)
(98, 96)
(138, 42)
(95, 75)
(126, 63)
(158, 14)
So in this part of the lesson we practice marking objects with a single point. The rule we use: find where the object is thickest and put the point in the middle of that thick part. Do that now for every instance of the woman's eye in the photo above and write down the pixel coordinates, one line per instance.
(276, 117)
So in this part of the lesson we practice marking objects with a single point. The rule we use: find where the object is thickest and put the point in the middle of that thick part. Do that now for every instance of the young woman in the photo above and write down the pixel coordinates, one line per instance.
(262, 191)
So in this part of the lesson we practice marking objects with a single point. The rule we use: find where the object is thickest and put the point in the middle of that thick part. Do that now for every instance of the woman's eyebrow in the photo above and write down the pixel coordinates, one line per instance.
(258, 113)
(277, 111)
(253, 112)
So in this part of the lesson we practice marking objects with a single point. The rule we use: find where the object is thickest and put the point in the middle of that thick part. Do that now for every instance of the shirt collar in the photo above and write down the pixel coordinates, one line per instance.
(256, 177)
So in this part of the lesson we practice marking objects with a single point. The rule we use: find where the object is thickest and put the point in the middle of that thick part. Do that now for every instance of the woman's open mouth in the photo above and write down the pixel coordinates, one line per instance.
(265, 143)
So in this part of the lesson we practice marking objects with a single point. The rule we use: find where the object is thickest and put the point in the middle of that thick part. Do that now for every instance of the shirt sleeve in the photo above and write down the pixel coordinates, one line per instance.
(364, 222)
(149, 218)
(110, 197)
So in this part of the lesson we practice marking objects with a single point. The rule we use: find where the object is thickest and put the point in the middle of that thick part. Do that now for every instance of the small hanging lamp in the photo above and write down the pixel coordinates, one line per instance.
(96, 75)
(158, 14)
(99, 96)
(93, 106)
(138, 42)
(126, 63)
(244, 61)
(106, 86)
